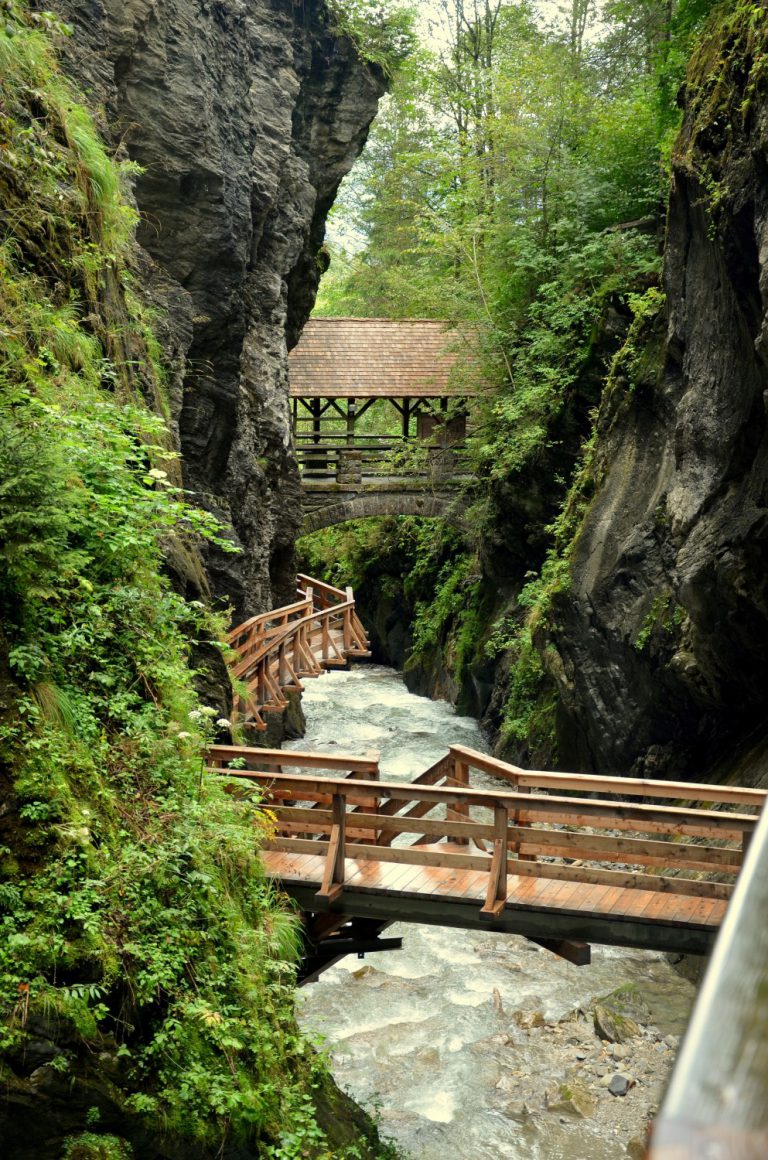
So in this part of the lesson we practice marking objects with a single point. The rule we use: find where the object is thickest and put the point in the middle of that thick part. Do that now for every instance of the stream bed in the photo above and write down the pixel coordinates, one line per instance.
(466, 1044)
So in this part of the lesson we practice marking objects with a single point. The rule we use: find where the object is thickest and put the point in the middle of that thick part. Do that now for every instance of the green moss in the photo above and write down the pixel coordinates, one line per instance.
(134, 914)
(90, 1146)
(727, 75)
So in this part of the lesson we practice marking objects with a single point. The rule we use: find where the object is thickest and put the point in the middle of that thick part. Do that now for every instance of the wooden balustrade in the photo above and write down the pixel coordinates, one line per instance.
(276, 650)
(527, 832)
(337, 457)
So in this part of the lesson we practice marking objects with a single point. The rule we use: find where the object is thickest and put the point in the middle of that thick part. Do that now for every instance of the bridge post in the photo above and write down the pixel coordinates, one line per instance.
(348, 620)
(333, 876)
(496, 897)
(518, 818)
(460, 779)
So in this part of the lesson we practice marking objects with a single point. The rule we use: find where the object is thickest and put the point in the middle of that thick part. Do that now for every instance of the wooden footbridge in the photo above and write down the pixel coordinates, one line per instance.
(564, 859)
(276, 650)
(380, 418)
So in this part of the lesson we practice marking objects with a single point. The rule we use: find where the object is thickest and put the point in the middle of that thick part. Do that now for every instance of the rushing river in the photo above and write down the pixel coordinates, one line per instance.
(463, 1041)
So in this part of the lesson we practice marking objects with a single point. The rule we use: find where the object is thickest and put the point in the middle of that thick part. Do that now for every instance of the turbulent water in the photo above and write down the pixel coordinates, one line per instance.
(458, 1041)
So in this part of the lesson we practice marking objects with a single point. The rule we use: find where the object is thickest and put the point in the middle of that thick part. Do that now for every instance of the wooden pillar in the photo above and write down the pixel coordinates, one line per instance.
(460, 811)
(496, 896)
(333, 878)
(406, 412)
(351, 419)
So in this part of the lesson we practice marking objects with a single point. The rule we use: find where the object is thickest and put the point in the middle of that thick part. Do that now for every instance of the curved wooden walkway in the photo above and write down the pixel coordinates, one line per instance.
(277, 650)
(565, 859)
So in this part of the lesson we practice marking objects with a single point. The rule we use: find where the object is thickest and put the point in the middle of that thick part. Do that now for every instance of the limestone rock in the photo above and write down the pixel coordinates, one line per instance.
(244, 117)
(572, 1098)
(612, 1026)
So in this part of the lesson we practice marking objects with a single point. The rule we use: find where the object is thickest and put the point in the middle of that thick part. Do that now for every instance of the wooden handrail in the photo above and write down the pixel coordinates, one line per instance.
(596, 809)
(221, 754)
(276, 649)
(592, 783)
(516, 844)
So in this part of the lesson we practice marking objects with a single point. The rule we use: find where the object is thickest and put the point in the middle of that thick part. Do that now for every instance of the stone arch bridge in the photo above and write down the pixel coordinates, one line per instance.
(380, 418)
(324, 508)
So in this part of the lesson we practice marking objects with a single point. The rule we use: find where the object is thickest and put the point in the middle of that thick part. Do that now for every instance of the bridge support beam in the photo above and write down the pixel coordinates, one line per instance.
(359, 936)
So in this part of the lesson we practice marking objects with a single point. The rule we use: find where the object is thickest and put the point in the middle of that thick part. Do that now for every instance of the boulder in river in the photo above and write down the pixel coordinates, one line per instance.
(612, 1026)
(572, 1098)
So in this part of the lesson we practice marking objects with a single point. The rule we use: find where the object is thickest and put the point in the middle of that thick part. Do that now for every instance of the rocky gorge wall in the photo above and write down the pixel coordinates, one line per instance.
(657, 646)
(639, 646)
(244, 116)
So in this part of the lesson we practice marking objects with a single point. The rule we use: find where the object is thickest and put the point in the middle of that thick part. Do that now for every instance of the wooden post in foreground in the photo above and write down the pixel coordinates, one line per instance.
(333, 877)
(460, 811)
(496, 897)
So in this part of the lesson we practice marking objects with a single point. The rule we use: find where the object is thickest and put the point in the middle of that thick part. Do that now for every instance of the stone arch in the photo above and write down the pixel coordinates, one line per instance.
(392, 504)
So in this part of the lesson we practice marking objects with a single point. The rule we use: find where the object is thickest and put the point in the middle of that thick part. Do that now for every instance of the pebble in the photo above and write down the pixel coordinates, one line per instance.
(619, 1084)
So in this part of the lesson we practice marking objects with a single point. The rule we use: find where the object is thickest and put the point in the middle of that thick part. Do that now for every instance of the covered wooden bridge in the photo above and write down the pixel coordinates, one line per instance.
(379, 416)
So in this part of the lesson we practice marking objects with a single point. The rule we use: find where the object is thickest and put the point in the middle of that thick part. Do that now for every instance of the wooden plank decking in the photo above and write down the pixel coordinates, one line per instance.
(525, 859)
(537, 907)
(277, 650)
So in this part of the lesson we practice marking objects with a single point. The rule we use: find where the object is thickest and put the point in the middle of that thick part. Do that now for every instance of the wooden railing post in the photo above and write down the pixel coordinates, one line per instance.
(326, 636)
(347, 630)
(460, 811)
(373, 754)
(333, 877)
(518, 818)
(496, 897)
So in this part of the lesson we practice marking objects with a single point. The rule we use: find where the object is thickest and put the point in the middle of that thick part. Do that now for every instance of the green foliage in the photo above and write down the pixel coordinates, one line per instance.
(135, 918)
(528, 715)
(382, 32)
(91, 1146)
(727, 72)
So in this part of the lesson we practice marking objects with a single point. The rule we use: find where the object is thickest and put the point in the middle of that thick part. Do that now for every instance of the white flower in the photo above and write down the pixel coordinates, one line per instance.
(206, 711)
(183, 736)
(223, 723)
(157, 473)
(195, 715)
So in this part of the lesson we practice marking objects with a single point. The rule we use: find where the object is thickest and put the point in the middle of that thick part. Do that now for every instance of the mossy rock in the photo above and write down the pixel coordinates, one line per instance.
(572, 1099)
(614, 1027)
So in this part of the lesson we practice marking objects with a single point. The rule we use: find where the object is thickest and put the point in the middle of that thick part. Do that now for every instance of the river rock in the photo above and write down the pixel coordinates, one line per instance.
(573, 1098)
(619, 1084)
(612, 1026)
(517, 1110)
(528, 1019)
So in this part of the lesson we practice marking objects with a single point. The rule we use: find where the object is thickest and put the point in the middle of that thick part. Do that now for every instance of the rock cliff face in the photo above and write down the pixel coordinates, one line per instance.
(658, 649)
(244, 116)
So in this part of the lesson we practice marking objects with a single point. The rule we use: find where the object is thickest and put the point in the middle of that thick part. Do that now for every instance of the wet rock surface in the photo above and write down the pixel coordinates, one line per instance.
(662, 637)
(244, 118)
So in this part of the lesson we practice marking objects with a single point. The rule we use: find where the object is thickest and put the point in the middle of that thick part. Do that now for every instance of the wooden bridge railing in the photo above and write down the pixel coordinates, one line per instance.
(335, 456)
(716, 1102)
(528, 831)
(276, 649)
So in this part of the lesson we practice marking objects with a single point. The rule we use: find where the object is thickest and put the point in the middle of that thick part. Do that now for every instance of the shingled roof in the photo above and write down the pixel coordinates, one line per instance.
(366, 358)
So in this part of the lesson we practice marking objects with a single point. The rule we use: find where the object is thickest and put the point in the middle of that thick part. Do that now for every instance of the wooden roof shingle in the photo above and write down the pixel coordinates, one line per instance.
(368, 358)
